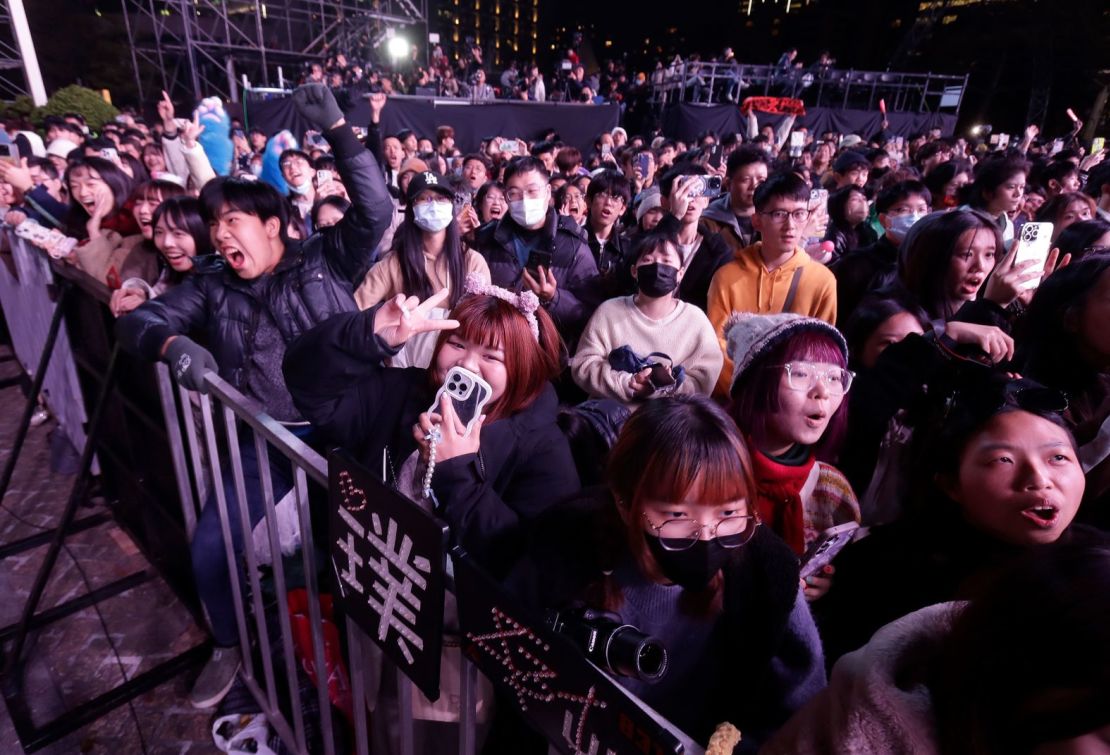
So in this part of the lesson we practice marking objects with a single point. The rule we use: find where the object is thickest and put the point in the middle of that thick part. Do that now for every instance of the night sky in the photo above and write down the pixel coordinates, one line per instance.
(1005, 46)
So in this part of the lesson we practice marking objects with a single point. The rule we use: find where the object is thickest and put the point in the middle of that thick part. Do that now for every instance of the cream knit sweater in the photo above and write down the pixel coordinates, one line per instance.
(685, 335)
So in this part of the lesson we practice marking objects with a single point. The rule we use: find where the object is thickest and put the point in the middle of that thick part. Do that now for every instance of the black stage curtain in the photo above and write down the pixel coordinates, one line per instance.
(577, 124)
(685, 121)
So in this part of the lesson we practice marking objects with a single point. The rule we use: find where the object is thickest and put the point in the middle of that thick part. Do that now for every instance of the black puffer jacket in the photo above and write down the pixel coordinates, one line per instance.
(580, 287)
(314, 280)
(337, 380)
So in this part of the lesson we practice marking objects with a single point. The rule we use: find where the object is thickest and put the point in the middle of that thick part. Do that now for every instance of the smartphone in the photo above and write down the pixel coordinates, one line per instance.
(107, 153)
(825, 548)
(1003, 141)
(606, 149)
(818, 199)
(460, 200)
(660, 376)
(323, 176)
(643, 162)
(1034, 244)
(468, 394)
(538, 259)
(508, 147)
(994, 139)
(1098, 144)
(1057, 145)
(10, 153)
(705, 186)
(715, 155)
(797, 143)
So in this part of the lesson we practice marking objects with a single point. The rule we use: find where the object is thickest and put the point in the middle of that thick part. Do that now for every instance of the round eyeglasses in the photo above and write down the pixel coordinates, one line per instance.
(682, 534)
(804, 376)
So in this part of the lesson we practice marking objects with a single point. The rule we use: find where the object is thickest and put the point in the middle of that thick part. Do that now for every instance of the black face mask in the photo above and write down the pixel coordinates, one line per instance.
(656, 279)
(692, 568)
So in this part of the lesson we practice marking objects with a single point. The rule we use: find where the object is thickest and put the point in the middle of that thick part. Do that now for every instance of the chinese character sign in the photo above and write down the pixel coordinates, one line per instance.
(389, 556)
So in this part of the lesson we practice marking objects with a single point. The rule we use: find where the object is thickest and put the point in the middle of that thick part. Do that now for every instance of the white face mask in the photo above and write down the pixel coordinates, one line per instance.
(528, 211)
(302, 189)
(433, 216)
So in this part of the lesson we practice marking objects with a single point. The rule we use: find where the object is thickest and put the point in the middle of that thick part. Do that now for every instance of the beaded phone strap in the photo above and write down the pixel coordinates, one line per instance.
(433, 438)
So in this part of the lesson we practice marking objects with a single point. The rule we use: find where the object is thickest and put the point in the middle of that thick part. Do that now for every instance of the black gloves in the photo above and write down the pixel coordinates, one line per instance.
(317, 105)
(188, 362)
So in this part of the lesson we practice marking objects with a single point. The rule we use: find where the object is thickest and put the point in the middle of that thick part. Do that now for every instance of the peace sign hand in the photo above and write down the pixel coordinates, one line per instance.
(401, 318)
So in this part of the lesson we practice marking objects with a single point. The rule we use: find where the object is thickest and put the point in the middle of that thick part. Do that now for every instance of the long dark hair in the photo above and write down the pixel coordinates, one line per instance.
(408, 245)
(184, 213)
(111, 174)
(926, 253)
(1051, 351)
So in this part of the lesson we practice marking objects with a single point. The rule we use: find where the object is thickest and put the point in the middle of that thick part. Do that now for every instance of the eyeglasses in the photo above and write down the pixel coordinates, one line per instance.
(780, 216)
(803, 376)
(682, 534)
(610, 198)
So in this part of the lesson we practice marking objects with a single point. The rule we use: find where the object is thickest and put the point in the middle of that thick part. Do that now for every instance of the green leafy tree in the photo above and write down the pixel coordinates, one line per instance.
(78, 99)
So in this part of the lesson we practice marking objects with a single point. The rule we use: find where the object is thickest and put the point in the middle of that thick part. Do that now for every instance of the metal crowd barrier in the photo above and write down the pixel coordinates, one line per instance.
(214, 443)
(203, 434)
(203, 453)
(30, 300)
(711, 82)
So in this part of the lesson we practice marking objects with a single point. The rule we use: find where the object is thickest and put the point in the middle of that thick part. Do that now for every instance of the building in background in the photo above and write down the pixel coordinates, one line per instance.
(505, 30)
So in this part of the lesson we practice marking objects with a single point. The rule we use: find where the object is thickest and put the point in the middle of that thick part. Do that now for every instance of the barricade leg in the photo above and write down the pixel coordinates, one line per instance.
(36, 388)
(76, 496)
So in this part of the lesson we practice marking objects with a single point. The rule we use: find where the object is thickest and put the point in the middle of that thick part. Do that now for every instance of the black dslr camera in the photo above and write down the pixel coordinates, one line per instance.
(617, 647)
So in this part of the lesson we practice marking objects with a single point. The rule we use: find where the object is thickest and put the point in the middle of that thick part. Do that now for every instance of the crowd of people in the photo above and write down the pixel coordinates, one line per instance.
(697, 358)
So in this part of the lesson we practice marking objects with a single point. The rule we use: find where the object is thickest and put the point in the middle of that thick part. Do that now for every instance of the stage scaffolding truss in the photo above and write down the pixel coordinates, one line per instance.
(197, 48)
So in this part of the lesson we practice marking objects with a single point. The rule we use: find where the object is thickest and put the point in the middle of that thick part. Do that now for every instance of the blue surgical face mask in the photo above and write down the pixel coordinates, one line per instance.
(900, 225)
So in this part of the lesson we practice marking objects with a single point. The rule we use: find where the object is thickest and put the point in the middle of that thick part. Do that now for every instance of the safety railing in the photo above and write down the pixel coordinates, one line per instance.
(210, 453)
(818, 86)
(294, 673)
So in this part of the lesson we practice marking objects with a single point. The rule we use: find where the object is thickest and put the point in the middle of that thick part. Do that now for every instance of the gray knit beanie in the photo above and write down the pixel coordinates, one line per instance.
(749, 336)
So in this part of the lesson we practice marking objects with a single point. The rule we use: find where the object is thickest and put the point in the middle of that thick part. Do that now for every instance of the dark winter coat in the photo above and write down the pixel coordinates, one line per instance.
(580, 288)
(336, 377)
(314, 280)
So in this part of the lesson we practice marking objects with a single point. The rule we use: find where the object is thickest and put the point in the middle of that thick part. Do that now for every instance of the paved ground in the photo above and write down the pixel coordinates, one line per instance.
(72, 660)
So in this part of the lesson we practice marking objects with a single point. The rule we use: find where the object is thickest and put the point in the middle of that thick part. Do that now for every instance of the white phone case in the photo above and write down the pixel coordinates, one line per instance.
(469, 395)
(1034, 243)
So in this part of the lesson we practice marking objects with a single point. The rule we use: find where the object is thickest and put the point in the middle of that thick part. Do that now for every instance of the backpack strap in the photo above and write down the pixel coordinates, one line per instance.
(793, 292)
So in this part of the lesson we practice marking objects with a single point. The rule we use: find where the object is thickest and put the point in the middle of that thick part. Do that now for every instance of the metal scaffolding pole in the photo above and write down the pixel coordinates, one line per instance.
(192, 43)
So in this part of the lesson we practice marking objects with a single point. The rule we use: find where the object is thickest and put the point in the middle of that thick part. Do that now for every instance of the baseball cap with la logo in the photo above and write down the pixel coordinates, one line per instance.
(427, 180)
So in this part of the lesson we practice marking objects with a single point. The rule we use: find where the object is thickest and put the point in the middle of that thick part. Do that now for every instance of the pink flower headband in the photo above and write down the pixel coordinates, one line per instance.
(526, 301)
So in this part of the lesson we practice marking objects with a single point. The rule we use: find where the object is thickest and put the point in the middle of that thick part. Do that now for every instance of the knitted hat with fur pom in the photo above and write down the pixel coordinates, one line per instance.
(749, 336)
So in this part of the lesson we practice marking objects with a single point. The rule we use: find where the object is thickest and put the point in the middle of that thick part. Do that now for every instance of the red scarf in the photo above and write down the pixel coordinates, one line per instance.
(779, 497)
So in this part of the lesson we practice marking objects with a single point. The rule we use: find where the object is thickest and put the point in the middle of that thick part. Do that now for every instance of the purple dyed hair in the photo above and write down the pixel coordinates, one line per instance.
(755, 396)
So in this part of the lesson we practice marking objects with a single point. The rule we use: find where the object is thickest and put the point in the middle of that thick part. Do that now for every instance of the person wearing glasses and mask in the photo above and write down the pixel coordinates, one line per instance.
(869, 268)
(775, 274)
(788, 384)
(674, 547)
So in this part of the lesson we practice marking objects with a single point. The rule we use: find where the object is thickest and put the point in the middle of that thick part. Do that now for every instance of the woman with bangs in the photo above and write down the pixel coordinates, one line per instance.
(115, 251)
(675, 547)
(486, 483)
(790, 377)
(181, 235)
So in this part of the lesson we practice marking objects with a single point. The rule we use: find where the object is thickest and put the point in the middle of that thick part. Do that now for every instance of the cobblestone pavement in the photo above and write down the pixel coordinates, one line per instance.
(72, 661)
